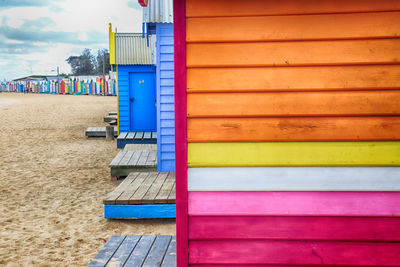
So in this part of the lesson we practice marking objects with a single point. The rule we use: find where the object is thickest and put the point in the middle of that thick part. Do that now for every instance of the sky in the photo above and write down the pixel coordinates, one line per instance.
(37, 36)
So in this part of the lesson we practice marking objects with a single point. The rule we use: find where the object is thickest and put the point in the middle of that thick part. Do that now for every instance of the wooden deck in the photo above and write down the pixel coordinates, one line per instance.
(154, 251)
(110, 118)
(99, 132)
(125, 138)
(113, 113)
(128, 161)
(142, 195)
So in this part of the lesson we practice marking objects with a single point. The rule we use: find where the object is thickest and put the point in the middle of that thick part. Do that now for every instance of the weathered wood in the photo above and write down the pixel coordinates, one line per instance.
(118, 158)
(151, 194)
(137, 138)
(157, 251)
(110, 132)
(144, 188)
(170, 256)
(141, 251)
(130, 190)
(139, 135)
(99, 131)
(135, 158)
(124, 161)
(147, 135)
(154, 135)
(166, 188)
(130, 135)
(137, 197)
(151, 159)
(122, 135)
(124, 251)
(110, 118)
(113, 113)
(107, 251)
(143, 158)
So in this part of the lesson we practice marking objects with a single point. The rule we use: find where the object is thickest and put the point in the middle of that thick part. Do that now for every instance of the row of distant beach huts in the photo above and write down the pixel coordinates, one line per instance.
(77, 85)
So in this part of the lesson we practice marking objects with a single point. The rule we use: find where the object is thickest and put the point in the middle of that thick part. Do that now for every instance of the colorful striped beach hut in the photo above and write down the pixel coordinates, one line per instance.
(287, 132)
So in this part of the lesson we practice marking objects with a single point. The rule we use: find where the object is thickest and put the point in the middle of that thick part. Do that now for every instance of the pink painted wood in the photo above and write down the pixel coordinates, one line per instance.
(181, 132)
(315, 253)
(295, 203)
(295, 228)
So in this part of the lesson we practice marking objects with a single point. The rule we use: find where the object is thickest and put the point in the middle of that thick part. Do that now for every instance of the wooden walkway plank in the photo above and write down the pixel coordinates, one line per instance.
(130, 135)
(122, 135)
(152, 159)
(137, 197)
(154, 135)
(152, 193)
(139, 135)
(163, 195)
(124, 185)
(124, 251)
(172, 195)
(135, 158)
(126, 158)
(107, 251)
(134, 185)
(147, 135)
(140, 252)
(170, 256)
(118, 158)
(143, 158)
(157, 251)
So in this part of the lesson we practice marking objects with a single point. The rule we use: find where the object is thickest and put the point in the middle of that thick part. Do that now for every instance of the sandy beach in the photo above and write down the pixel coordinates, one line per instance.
(53, 180)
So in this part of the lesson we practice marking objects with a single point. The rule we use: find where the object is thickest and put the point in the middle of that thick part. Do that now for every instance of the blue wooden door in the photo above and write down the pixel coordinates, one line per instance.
(142, 99)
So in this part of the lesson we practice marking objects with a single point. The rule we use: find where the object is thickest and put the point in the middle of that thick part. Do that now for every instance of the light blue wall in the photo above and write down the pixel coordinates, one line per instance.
(165, 97)
(123, 92)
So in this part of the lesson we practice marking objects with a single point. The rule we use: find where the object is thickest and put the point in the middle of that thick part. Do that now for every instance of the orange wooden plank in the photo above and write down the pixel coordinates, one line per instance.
(294, 53)
(296, 27)
(352, 103)
(294, 129)
(207, 8)
(293, 78)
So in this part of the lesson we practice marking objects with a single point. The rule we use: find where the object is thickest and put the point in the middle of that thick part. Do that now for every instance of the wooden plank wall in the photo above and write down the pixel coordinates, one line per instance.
(165, 95)
(276, 84)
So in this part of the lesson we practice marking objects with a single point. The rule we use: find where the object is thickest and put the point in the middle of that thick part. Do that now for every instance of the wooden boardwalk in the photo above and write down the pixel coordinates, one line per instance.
(128, 161)
(142, 195)
(125, 138)
(99, 131)
(154, 251)
(110, 118)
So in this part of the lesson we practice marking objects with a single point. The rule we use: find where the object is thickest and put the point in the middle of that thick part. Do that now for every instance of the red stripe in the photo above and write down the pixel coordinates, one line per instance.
(295, 203)
(180, 132)
(295, 228)
(315, 253)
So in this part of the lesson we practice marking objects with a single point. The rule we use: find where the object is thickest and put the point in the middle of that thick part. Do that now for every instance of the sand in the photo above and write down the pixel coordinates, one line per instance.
(53, 180)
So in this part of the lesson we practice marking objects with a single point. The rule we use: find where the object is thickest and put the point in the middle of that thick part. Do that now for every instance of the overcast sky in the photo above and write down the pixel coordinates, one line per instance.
(36, 36)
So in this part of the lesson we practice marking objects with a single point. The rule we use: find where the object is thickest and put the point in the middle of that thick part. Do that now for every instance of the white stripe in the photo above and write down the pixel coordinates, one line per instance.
(294, 179)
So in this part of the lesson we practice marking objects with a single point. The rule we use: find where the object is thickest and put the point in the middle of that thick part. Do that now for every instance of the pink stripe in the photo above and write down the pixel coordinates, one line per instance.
(295, 203)
(315, 253)
(180, 132)
(295, 228)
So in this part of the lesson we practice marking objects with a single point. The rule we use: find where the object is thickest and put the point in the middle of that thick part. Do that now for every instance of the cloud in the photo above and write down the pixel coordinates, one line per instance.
(24, 3)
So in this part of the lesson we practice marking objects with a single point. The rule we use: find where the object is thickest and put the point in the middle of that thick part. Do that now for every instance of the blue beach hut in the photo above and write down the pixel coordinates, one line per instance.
(131, 60)
(158, 21)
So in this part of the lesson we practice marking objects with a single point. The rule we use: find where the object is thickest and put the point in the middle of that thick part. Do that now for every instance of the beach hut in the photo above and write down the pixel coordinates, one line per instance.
(157, 19)
(287, 132)
(131, 59)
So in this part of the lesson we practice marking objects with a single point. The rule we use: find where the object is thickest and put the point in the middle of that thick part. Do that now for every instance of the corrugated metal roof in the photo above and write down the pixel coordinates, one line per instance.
(132, 49)
(158, 11)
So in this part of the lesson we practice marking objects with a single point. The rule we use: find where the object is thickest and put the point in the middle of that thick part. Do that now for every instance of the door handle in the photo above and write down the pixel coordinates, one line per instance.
(132, 99)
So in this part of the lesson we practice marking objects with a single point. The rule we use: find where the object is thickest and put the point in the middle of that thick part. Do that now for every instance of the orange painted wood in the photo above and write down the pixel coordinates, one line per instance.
(294, 53)
(296, 27)
(352, 103)
(208, 8)
(294, 129)
(293, 78)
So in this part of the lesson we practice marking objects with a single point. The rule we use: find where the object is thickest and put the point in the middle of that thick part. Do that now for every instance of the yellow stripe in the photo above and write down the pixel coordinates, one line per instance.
(294, 154)
(111, 39)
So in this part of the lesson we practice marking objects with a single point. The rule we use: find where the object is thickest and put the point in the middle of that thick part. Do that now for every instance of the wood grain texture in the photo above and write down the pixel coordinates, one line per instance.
(294, 228)
(354, 103)
(217, 8)
(287, 28)
(322, 78)
(294, 204)
(270, 154)
(293, 53)
(293, 129)
(294, 253)
(294, 179)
